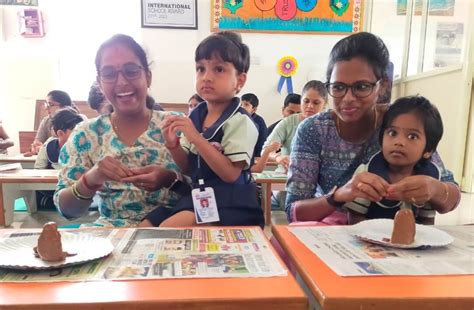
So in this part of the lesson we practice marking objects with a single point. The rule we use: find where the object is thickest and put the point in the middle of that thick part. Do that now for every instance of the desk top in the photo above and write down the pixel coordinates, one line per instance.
(381, 292)
(20, 158)
(203, 293)
(269, 177)
(29, 176)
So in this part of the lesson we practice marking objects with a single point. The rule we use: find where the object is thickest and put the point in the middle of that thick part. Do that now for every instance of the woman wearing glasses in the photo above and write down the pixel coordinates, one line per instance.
(328, 147)
(121, 155)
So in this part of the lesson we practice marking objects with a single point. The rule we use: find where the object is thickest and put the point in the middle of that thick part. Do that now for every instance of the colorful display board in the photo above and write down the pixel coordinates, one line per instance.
(288, 16)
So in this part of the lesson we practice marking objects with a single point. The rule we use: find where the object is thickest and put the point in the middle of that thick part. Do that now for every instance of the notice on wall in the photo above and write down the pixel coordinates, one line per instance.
(169, 14)
(449, 43)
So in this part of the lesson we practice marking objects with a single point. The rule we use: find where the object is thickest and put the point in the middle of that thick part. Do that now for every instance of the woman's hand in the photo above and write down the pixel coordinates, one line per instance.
(417, 189)
(174, 124)
(364, 185)
(107, 169)
(150, 177)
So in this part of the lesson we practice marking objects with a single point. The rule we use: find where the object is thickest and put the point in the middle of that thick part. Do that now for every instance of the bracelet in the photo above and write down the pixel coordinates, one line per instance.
(87, 185)
(76, 194)
(446, 193)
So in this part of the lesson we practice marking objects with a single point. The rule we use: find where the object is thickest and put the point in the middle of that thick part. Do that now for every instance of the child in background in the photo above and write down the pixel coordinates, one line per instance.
(410, 132)
(291, 105)
(193, 102)
(218, 138)
(250, 103)
(63, 122)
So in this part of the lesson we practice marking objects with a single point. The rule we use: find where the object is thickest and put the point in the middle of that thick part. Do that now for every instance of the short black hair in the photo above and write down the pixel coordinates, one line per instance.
(228, 46)
(197, 97)
(96, 97)
(60, 97)
(364, 45)
(252, 98)
(424, 110)
(65, 119)
(292, 98)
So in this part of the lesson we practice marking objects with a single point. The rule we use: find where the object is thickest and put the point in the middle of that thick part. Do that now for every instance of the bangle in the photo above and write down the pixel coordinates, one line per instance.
(446, 193)
(75, 192)
(88, 186)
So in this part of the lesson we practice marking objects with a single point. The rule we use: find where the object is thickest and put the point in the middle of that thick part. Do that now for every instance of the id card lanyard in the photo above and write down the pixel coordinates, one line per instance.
(204, 200)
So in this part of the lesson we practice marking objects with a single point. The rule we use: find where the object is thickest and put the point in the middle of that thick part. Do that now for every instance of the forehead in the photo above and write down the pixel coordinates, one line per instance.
(311, 93)
(117, 55)
(350, 71)
(293, 106)
(408, 121)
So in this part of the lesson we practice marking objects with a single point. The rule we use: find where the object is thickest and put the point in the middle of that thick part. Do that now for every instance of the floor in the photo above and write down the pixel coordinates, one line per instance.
(464, 214)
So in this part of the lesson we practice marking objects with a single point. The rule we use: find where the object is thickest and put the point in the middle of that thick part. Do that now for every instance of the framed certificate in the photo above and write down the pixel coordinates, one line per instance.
(180, 14)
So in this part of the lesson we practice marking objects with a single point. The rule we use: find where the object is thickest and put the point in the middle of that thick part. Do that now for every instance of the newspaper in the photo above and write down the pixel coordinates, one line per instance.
(165, 253)
(348, 256)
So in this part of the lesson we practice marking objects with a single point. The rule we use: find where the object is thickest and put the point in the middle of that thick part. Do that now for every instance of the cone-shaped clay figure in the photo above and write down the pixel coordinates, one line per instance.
(49, 246)
(403, 227)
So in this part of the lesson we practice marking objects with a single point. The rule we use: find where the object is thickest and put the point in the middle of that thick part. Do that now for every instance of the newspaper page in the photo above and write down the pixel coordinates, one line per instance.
(348, 256)
(165, 253)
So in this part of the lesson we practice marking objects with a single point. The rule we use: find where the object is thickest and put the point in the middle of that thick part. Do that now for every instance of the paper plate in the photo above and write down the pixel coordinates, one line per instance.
(17, 253)
(379, 231)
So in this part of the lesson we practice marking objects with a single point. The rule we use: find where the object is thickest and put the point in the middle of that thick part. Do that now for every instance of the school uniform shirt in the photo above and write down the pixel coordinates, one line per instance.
(388, 208)
(262, 133)
(234, 134)
(48, 155)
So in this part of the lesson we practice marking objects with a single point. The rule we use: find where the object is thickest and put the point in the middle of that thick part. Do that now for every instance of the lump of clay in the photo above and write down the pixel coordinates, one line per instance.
(403, 227)
(49, 246)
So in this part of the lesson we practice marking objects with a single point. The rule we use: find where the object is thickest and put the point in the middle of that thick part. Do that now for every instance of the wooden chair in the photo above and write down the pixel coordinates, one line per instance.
(26, 138)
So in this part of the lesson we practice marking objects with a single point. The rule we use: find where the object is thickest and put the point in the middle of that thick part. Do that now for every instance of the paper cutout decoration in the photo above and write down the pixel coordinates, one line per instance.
(285, 9)
(306, 5)
(339, 6)
(287, 67)
(233, 5)
(265, 5)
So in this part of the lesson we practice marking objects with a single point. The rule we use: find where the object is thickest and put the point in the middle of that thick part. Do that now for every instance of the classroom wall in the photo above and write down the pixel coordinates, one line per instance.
(64, 58)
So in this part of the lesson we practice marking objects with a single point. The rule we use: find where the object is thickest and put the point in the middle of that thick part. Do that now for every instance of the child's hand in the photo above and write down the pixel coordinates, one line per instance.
(170, 137)
(272, 147)
(174, 124)
(417, 189)
(283, 160)
(364, 185)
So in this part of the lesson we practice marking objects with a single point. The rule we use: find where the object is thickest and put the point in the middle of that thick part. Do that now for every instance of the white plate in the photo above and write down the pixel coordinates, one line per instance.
(379, 231)
(17, 253)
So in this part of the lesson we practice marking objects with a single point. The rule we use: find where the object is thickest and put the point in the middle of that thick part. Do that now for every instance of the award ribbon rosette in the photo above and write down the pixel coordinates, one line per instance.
(287, 67)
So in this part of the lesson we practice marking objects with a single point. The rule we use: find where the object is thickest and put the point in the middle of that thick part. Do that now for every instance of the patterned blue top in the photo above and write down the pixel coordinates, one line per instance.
(122, 204)
(320, 159)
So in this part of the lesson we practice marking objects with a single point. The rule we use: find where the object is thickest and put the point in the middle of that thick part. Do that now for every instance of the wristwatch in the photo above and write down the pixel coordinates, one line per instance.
(180, 186)
(330, 199)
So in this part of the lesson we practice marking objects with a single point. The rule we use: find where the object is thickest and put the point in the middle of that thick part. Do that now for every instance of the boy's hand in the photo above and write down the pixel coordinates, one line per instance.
(174, 124)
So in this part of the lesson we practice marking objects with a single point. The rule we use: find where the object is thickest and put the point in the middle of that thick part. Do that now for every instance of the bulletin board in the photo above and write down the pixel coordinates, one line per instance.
(288, 16)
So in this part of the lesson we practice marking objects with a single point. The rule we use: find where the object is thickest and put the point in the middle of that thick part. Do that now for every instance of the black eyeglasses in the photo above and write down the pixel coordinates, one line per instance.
(359, 89)
(130, 71)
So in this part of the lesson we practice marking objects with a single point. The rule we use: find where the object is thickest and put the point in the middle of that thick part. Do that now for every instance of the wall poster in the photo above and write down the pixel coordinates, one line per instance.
(288, 16)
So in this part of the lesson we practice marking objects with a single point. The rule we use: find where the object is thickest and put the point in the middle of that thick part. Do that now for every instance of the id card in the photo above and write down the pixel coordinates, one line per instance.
(205, 207)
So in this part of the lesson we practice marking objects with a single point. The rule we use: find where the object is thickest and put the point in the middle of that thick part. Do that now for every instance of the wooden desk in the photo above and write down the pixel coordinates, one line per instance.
(267, 181)
(23, 183)
(331, 291)
(26, 162)
(213, 293)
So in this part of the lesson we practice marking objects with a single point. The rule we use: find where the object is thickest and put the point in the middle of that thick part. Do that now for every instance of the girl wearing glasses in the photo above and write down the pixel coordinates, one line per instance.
(328, 147)
(410, 132)
(119, 155)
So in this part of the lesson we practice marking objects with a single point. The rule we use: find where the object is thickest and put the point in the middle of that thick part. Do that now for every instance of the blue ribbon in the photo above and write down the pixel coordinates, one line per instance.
(289, 84)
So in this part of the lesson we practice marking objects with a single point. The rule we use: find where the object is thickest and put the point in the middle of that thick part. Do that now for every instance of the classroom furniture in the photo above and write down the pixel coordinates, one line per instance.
(26, 139)
(268, 182)
(23, 183)
(280, 292)
(26, 162)
(331, 291)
